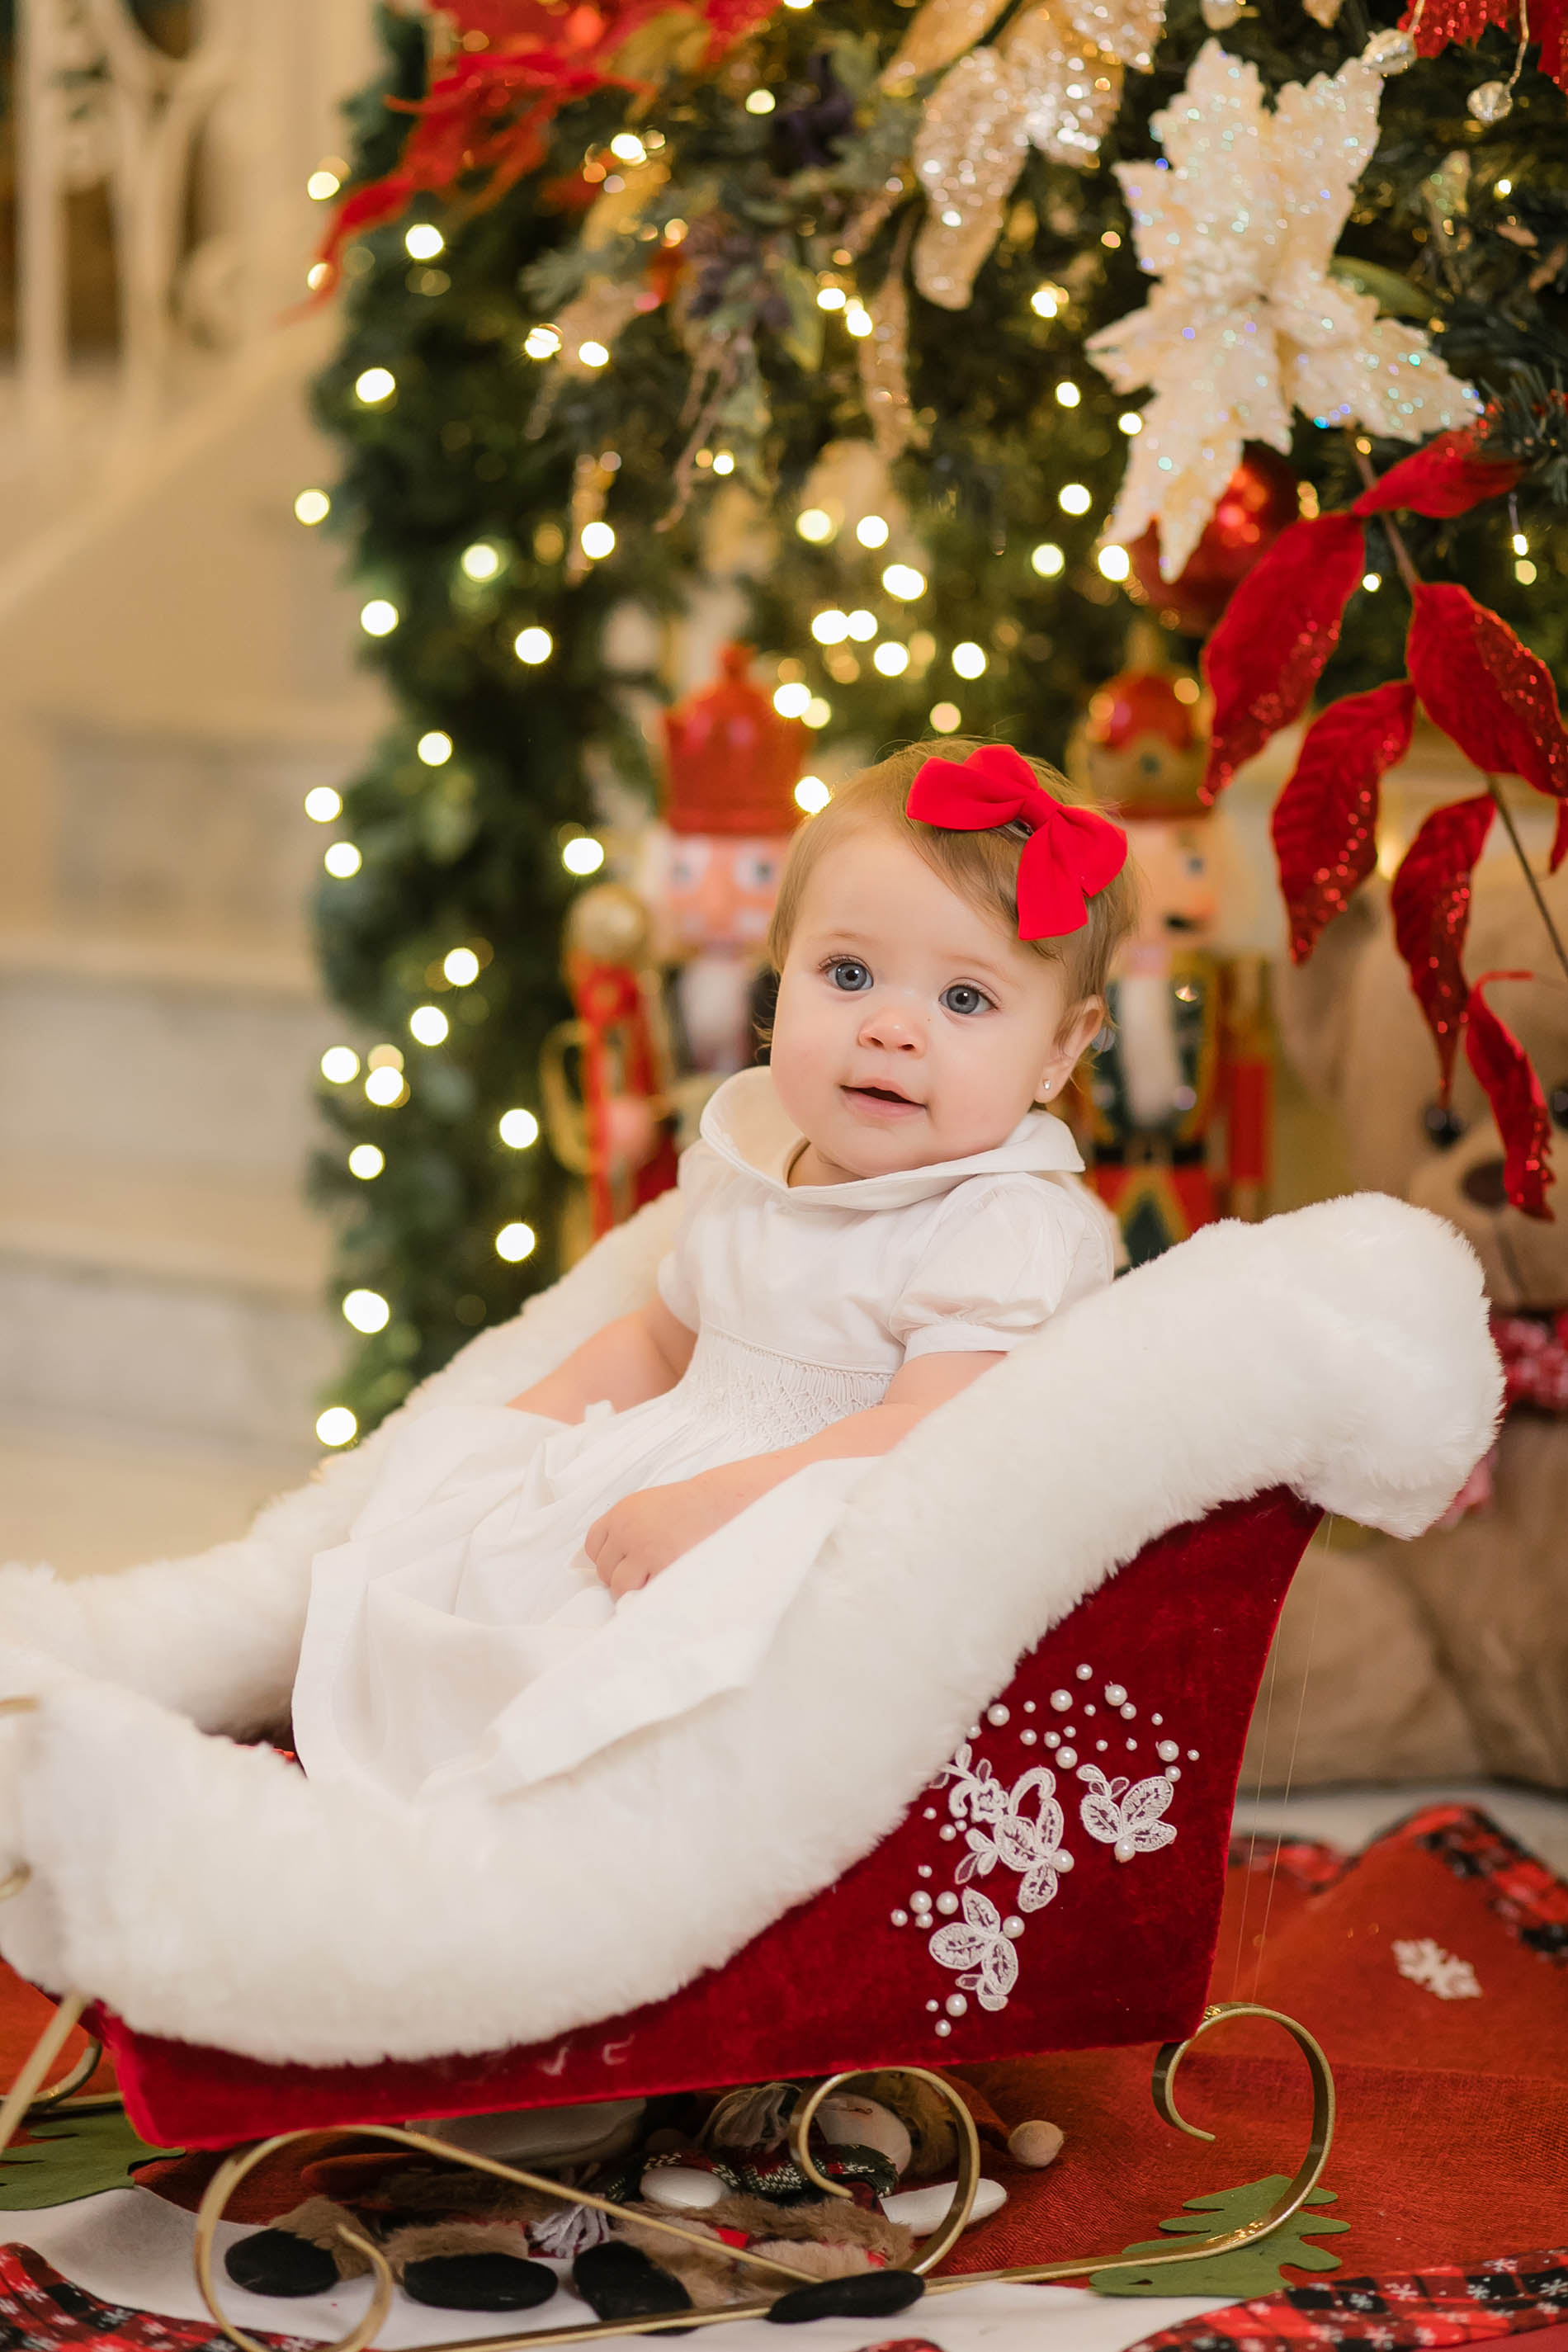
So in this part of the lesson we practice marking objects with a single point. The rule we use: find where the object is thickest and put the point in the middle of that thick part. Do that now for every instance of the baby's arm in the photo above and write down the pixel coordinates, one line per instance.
(642, 1535)
(637, 1357)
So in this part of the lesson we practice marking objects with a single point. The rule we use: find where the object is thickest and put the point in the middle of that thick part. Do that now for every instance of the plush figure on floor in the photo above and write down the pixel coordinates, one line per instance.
(1468, 1623)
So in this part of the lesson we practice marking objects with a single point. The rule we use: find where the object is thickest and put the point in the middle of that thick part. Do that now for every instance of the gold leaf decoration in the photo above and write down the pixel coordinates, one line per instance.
(1073, 86)
(969, 151)
(942, 31)
(884, 360)
(1130, 29)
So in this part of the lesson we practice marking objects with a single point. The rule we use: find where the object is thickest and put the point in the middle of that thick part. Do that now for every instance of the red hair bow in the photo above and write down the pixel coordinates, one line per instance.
(1071, 853)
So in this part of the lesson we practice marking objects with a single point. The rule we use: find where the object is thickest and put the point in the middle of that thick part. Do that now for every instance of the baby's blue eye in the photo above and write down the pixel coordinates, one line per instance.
(849, 975)
(965, 997)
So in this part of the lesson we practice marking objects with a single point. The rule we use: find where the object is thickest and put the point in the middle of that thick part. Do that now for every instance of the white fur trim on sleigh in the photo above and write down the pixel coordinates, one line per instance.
(208, 1892)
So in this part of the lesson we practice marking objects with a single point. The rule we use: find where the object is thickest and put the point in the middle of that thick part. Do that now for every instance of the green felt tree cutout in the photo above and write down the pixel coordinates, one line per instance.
(1246, 2270)
(78, 2156)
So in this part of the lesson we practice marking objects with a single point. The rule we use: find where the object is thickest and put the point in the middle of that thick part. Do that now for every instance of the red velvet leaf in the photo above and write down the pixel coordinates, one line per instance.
(1431, 903)
(1278, 629)
(1325, 820)
(1447, 477)
(1513, 1090)
(1487, 690)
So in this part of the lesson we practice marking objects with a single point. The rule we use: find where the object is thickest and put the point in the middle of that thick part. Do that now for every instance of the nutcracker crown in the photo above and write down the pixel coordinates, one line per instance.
(730, 762)
(1140, 748)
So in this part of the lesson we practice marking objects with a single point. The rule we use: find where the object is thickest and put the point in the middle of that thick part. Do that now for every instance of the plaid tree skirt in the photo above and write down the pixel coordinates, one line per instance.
(41, 2311)
(1398, 2314)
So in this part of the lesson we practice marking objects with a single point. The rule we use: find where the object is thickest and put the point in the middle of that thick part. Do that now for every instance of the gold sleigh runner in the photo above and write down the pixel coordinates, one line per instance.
(28, 2099)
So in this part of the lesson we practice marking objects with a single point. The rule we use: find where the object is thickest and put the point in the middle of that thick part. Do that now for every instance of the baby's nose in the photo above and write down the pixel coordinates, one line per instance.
(893, 1024)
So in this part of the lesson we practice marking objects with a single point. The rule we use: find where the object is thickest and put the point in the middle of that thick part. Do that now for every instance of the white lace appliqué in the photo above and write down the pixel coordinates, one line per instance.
(1016, 1827)
(1127, 1818)
(1425, 1962)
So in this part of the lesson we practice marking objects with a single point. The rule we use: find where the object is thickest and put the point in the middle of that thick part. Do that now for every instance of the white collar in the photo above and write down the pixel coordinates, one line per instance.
(746, 1124)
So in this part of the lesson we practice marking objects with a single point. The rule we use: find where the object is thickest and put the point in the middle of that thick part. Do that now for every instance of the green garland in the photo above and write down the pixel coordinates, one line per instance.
(466, 452)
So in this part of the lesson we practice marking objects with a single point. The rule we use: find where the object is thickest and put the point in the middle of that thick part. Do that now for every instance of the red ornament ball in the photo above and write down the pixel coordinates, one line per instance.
(1254, 507)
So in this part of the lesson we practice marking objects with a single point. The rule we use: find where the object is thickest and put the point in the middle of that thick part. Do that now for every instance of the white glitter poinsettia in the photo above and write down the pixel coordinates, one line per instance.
(1239, 221)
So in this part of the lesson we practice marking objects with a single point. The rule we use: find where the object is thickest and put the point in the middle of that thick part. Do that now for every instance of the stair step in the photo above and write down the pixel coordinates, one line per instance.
(130, 1048)
(163, 1303)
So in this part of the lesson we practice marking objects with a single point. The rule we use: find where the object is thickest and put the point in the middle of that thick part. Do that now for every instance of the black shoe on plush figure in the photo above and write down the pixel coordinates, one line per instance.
(618, 2282)
(478, 2282)
(274, 2262)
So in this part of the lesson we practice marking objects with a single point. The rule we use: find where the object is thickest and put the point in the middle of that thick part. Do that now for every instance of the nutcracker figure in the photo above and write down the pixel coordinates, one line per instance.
(731, 765)
(1175, 1111)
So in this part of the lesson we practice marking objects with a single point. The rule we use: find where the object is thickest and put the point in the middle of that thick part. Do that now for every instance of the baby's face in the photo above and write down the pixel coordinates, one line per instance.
(910, 1026)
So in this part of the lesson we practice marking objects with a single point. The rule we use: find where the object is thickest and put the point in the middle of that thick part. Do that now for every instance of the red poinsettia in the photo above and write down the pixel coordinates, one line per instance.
(485, 118)
(1478, 682)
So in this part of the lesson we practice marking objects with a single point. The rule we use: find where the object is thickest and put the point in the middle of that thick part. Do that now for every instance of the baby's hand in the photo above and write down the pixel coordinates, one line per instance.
(638, 1538)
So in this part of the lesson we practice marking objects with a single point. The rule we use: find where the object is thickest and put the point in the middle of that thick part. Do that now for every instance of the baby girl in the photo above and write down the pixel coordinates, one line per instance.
(867, 1224)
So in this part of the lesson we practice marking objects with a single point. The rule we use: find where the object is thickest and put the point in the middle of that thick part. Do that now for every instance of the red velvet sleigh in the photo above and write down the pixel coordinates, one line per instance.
(1058, 1887)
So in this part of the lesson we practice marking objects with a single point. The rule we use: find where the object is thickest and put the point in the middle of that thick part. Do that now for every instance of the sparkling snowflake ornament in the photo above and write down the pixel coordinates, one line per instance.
(1239, 222)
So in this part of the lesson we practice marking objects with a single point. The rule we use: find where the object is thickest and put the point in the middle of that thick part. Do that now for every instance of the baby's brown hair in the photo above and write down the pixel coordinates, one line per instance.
(982, 866)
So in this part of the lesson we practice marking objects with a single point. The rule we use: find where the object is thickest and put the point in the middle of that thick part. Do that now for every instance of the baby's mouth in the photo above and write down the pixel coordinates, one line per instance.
(882, 1095)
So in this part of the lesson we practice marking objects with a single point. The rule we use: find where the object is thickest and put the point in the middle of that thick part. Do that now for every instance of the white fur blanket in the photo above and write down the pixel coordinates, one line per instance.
(207, 1891)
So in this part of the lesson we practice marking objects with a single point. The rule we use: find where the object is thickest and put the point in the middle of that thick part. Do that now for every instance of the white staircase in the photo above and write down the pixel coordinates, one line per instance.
(176, 671)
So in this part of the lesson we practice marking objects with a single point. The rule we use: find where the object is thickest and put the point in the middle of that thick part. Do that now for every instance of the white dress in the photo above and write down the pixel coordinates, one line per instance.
(460, 1642)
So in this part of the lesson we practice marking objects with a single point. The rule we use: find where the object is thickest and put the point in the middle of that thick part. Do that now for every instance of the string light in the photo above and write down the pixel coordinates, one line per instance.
(424, 241)
(831, 297)
(858, 320)
(462, 967)
(598, 540)
(817, 712)
(1185, 690)
(1130, 422)
(385, 1086)
(628, 148)
(812, 796)
(902, 581)
(1044, 301)
(1073, 499)
(322, 185)
(367, 1310)
(830, 627)
(1524, 572)
(1503, 187)
(792, 699)
(385, 1057)
(1068, 394)
(337, 1425)
(323, 804)
(1520, 544)
(969, 660)
(872, 530)
(1048, 559)
(1372, 582)
(862, 626)
(1112, 239)
(582, 855)
(946, 717)
(541, 342)
(892, 660)
(341, 860)
(533, 646)
(373, 384)
(1115, 564)
(316, 275)
(365, 1161)
(312, 507)
(675, 232)
(515, 1241)
(435, 748)
(723, 461)
(480, 562)
(378, 618)
(428, 1023)
(594, 354)
(816, 525)
(519, 1128)
(338, 1065)
(760, 101)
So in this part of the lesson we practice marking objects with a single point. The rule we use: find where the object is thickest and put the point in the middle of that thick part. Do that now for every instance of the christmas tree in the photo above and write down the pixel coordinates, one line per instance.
(853, 287)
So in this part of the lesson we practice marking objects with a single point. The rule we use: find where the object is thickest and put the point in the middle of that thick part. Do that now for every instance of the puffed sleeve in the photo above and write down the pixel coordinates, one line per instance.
(1001, 1261)
(701, 1174)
